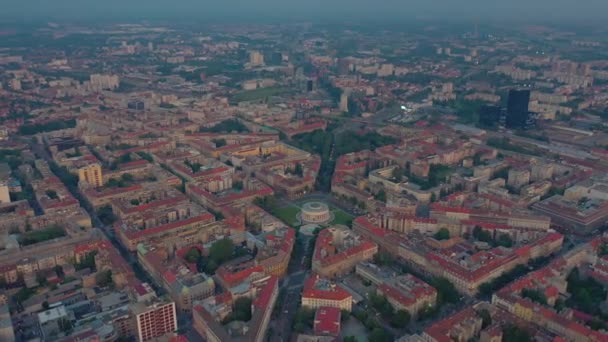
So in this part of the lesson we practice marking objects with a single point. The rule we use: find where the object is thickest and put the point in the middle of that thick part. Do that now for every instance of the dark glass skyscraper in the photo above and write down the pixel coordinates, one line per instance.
(489, 116)
(518, 115)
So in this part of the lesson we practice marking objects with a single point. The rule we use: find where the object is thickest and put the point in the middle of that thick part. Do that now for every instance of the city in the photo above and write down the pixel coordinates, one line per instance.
(303, 181)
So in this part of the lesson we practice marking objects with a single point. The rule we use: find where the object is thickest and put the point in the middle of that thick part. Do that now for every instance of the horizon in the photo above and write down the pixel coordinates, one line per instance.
(332, 10)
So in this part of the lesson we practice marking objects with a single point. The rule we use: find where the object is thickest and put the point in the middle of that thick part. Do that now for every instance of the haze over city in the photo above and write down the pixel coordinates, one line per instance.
(334, 10)
(304, 171)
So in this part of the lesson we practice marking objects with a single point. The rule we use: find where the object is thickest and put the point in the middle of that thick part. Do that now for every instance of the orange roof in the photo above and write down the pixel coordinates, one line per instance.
(233, 278)
(169, 226)
(336, 293)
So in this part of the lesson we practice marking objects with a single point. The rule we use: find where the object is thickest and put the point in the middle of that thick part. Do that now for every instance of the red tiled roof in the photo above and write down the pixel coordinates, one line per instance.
(169, 226)
(337, 293)
(327, 321)
(233, 278)
(263, 298)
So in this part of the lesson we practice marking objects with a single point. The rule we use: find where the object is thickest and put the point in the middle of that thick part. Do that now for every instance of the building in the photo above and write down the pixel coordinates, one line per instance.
(153, 320)
(183, 284)
(518, 115)
(5, 196)
(518, 178)
(256, 58)
(315, 212)
(104, 82)
(320, 292)
(338, 250)
(403, 292)
(327, 321)
(466, 267)
(489, 116)
(344, 102)
(210, 313)
(582, 216)
(51, 321)
(91, 174)
(552, 282)
(6, 325)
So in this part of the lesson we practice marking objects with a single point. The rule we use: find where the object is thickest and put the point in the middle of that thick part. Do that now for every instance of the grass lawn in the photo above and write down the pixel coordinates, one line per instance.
(250, 95)
(287, 215)
(36, 236)
(341, 217)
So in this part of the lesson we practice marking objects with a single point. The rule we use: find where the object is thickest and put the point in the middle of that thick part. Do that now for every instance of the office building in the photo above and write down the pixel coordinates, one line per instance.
(344, 102)
(518, 115)
(489, 116)
(256, 58)
(5, 196)
(309, 85)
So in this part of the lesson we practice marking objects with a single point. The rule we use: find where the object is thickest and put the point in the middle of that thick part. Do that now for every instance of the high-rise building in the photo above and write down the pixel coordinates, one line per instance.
(154, 320)
(5, 196)
(489, 116)
(256, 58)
(518, 115)
(344, 102)
(276, 58)
(91, 174)
(309, 85)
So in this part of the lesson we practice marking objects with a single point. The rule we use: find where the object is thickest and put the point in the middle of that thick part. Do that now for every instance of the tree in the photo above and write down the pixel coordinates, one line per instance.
(603, 249)
(380, 303)
(24, 294)
(299, 171)
(442, 234)
(145, 156)
(427, 312)
(397, 174)
(486, 318)
(104, 278)
(226, 126)
(45, 305)
(400, 319)
(513, 333)
(106, 215)
(381, 196)
(303, 319)
(559, 304)
(504, 240)
(88, 261)
(52, 194)
(349, 339)
(219, 142)
(380, 335)
(41, 279)
(383, 258)
(242, 309)
(221, 251)
(344, 315)
(193, 255)
(127, 177)
(534, 295)
(65, 325)
(482, 235)
(446, 292)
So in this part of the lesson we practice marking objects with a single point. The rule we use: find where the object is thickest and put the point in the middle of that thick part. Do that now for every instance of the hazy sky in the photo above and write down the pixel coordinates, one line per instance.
(375, 9)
